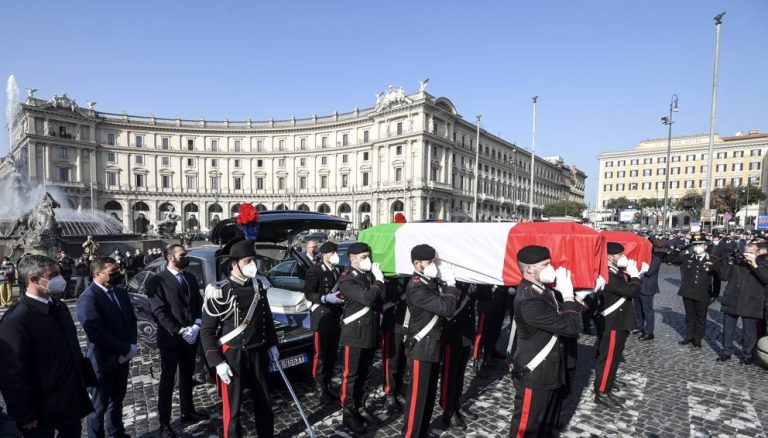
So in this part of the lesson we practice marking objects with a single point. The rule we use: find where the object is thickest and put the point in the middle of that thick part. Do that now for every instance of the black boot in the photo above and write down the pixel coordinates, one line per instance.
(322, 394)
(351, 422)
(451, 420)
(330, 390)
(602, 400)
(356, 413)
(686, 342)
(392, 404)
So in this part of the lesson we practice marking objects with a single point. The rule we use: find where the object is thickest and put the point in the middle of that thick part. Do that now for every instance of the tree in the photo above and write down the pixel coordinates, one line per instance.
(691, 202)
(564, 208)
(650, 203)
(618, 203)
(730, 199)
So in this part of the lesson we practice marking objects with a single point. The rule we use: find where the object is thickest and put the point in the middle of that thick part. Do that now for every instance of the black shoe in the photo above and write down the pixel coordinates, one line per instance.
(747, 361)
(392, 404)
(165, 431)
(696, 344)
(723, 357)
(352, 423)
(356, 413)
(467, 414)
(686, 342)
(331, 391)
(453, 420)
(646, 337)
(193, 417)
(602, 400)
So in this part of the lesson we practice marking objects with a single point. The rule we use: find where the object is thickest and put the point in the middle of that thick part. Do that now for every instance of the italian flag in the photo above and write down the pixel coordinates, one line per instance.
(486, 253)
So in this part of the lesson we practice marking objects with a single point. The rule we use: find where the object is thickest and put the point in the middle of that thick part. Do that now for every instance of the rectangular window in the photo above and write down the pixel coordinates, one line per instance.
(720, 182)
(281, 162)
(139, 141)
(345, 139)
(281, 145)
(632, 186)
(609, 164)
(237, 182)
(646, 186)
(661, 160)
(324, 142)
(237, 164)
(281, 183)
(63, 152)
(736, 182)
(647, 160)
(365, 156)
(323, 181)
(165, 181)
(323, 161)
(191, 182)
(659, 185)
(689, 184)
(111, 157)
(622, 174)
(690, 169)
(737, 167)
(619, 187)
(660, 171)
(647, 172)
(64, 174)
(345, 159)
(609, 174)
(754, 180)
(691, 157)
(755, 165)
(302, 182)
(214, 163)
(634, 162)
(703, 169)
(111, 139)
(722, 155)
(720, 168)
(674, 184)
(259, 183)
(214, 145)
(702, 184)
(139, 180)
(607, 187)
(238, 145)
(190, 162)
(302, 162)
(165, 161)
(365, 136)
(139, 159)
(344, 180)
(622, 163)
(399, 128)
(675, 171)
(259, 145)
(399, 150)
(398, 174)
(755, 152)
(260, 163)
(676, 159)
(365, 179)
(190, 145)
(165, 142)
(111, 178)
(215, 183)
(738, 154)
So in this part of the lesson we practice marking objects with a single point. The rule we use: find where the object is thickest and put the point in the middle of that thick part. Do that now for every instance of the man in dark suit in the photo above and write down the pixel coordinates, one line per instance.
(177, 307)
(106, 314)
(43, 380)
(644, 316)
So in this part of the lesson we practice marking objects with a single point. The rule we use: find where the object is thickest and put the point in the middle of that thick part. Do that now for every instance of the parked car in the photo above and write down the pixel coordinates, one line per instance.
(290, 309)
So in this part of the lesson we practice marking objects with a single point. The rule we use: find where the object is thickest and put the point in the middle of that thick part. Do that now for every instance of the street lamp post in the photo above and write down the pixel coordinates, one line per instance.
(707, 194)
(533, 159)
(668, 121)
(477, 166)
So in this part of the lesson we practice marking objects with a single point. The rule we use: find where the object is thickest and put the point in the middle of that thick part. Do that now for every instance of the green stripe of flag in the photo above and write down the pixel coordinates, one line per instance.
(381, 239)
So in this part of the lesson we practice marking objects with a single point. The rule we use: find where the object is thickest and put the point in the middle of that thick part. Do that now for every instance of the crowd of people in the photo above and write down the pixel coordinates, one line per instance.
(427, 327)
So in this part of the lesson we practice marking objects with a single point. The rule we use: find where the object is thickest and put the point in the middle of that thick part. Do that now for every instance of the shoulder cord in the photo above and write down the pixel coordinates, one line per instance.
(228, 304)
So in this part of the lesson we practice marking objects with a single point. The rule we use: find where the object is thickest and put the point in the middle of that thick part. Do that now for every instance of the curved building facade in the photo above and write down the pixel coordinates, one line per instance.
(409, 153)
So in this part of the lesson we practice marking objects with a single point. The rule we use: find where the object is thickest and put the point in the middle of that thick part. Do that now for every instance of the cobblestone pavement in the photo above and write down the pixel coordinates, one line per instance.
(670, 391)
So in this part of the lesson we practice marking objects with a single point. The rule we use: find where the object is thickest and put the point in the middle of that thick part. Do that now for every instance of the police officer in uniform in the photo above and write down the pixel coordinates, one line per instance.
(321, 290)
(239, 339)
(538, 364)
(429, 300)
(696, 288)
(617, 318)
(362, 287)
(392, 351)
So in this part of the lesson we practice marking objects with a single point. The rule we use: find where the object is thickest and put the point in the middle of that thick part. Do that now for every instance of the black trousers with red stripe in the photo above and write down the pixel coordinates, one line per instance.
(326, 351)
(357, 370)
(488, 331)
(455, 357)
(251, 371)
(393, 361)
(608, 357)
(420, 400)
(535, 412)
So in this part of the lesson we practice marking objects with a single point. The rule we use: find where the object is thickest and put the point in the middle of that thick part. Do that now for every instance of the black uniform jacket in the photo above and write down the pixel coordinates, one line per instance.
(619, 287)
(539, 316)
(696, 277)
(427, 298)
(361, 291)
(42, 365)
(745, 293)
(460, 329)
(650, 279)
(494, 299)
(174, 306)
(320, 281)
(393, 311)
(260, 333)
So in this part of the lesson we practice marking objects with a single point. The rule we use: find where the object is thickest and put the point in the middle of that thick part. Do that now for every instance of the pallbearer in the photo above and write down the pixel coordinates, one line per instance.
(538, 364)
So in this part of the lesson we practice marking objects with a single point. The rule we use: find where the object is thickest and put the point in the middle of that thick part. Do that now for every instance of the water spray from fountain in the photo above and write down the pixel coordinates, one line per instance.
(12, 107)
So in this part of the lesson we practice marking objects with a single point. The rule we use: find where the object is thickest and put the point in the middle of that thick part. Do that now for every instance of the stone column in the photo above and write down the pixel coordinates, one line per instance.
(79, 165)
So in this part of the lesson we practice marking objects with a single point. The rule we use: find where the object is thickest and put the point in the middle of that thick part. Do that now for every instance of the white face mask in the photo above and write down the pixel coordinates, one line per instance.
(430, 271)
(622, 262)
(699, 250)
(56, 285)
(547, 275)
(365, 264)
(250, 270)
(334, 260)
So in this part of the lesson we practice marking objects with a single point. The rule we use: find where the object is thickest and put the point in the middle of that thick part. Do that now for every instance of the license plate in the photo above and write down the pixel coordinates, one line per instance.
(289, 362)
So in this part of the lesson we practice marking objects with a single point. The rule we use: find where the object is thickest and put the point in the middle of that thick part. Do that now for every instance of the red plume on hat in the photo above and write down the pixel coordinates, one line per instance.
(400, 218)
(248, 220)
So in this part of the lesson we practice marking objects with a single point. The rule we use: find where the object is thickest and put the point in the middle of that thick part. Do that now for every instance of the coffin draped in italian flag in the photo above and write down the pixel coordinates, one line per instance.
(636, 247)
(486, 253)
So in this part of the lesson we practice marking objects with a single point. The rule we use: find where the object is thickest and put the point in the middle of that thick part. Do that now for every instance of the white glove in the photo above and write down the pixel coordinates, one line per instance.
(192, 334)
(212, 291)
(632, 270)
(376, 271)
(448, 273)
(333, 298)
(274, 354)
(224, 372)
(644, 268)
(599, 283)
(512, 291)
(134, 351)
(564, 283)
(264, 282)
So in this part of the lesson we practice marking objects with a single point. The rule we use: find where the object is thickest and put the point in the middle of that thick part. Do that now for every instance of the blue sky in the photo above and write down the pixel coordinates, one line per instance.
(604, 70)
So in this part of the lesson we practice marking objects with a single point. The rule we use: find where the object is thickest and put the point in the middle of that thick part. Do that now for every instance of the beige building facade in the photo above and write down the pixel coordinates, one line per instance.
(408, 153)
(641, 172)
